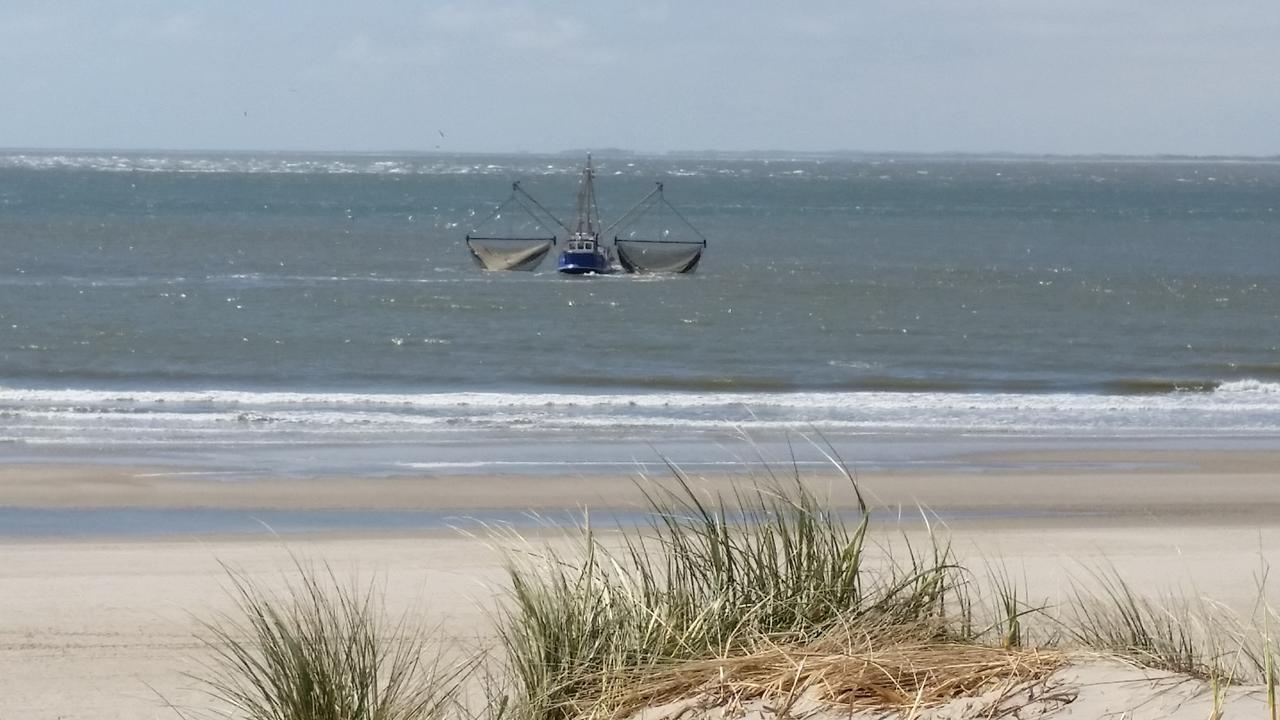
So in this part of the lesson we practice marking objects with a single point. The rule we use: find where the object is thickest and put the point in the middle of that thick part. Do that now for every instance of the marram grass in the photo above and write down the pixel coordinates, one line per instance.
(766, 594)
(321, 650)
(714, 585)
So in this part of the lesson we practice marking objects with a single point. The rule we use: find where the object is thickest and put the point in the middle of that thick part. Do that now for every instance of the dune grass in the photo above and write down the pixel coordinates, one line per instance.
(1166, 633)
(763, 594)
(321, 650)
(1190, 636)
(717, 592)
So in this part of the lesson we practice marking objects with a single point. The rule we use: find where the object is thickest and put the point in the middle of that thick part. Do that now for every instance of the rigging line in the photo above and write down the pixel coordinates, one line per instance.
(515, 188)
(493, 214)
(627, 215)
(502, 206)
(686, 221)
(541, 222)
(516, 198)
(532, 211)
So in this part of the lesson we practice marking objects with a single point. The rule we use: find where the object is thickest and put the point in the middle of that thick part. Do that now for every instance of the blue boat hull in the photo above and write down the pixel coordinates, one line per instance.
(581, 262)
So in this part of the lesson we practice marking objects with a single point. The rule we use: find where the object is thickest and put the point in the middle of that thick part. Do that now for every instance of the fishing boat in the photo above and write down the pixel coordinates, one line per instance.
(583, 253)
(634, 249)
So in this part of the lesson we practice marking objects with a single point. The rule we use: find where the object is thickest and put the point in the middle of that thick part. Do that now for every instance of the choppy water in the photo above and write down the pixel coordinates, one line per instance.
(167, 301)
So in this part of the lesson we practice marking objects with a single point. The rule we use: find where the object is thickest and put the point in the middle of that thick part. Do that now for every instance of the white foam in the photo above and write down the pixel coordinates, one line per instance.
(226, 415)
(1249, 386)
(1231, 394)
(88, 399)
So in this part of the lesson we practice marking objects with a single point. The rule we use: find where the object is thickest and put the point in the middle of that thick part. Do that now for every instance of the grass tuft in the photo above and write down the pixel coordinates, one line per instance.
(765, 595)
(321, 650)
(740, 586)
(1172, 633)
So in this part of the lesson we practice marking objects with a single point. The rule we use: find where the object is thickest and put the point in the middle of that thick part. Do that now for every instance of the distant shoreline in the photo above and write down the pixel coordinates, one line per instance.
(619, 153)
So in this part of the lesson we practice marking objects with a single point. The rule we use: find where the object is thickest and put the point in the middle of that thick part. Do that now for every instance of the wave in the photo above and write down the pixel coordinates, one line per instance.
(132, 416)
(739, 384)
(1142, 386)
(598, 390)
(686, 394)
(1250, 386)
(689, 384)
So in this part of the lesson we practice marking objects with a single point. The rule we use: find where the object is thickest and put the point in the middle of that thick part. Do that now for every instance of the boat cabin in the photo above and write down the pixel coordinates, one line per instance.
(582, 243)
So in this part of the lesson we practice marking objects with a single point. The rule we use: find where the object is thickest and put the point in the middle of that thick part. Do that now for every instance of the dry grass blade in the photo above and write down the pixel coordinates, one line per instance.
(876, 677)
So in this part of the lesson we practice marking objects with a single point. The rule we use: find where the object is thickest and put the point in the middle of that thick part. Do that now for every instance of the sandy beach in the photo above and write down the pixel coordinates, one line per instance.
(106, 628)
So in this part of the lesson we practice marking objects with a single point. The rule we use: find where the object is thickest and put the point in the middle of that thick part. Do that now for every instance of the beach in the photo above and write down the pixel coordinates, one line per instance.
(106, 627)
(238, 362)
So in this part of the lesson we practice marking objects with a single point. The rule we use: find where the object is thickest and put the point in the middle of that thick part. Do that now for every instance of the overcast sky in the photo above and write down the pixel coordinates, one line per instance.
(1037, 76)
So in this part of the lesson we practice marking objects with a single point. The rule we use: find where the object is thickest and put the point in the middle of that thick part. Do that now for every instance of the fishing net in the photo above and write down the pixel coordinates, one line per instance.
(653, 237)
(503, 253)
(640, 256)
(516, 235)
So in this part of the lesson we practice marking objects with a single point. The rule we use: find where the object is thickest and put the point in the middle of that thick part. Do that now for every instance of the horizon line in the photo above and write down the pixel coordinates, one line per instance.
(626, 152)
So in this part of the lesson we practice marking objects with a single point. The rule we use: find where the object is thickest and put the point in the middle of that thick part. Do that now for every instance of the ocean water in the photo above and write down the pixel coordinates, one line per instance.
(302, 313)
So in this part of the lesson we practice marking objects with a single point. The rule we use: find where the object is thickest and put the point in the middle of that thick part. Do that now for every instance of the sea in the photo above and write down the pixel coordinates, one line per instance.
(303, 314)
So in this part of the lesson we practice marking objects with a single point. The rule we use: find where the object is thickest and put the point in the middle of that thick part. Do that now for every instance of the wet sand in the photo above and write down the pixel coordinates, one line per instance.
(1214, 486)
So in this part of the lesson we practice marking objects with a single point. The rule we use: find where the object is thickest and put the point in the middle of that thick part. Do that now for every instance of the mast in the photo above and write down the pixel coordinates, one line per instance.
(588, 213)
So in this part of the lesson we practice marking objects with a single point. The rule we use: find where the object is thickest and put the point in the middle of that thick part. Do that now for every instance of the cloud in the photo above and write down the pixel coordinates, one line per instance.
(551, 34)
(512, 27)
(165, 27)
(1031, 75)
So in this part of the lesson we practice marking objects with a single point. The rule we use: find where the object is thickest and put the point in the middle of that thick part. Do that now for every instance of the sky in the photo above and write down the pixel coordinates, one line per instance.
(1133, 77)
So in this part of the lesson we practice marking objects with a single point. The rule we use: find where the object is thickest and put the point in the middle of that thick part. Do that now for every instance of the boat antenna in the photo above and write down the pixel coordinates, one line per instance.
(588, 212)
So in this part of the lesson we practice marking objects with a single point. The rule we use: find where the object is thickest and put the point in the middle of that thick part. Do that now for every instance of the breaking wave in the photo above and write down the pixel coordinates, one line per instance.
(226, 416)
